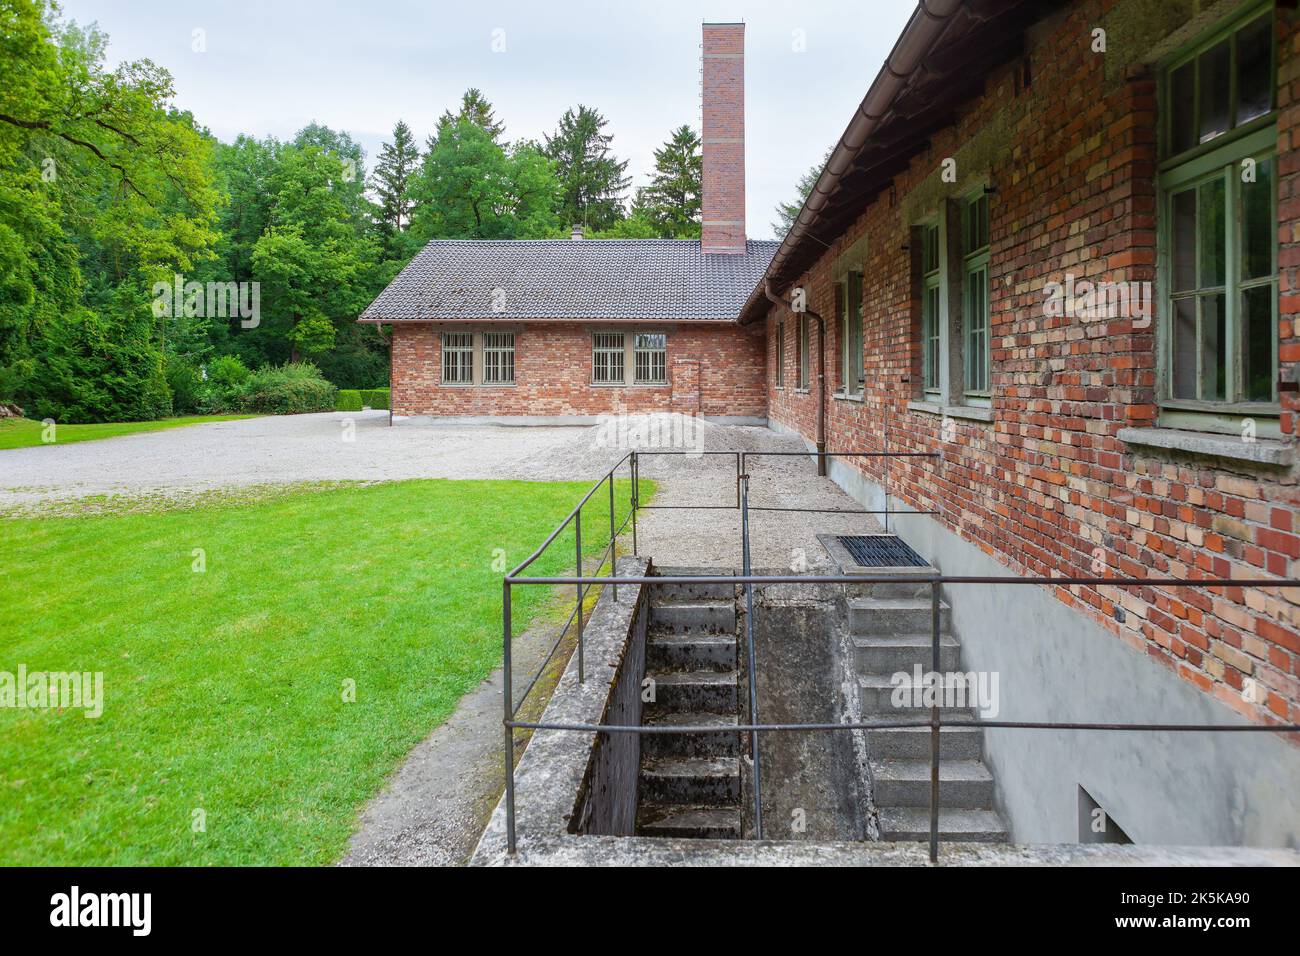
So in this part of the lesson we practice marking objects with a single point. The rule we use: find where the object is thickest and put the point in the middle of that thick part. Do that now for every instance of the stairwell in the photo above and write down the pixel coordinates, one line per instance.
(689, 784)
(891, 632)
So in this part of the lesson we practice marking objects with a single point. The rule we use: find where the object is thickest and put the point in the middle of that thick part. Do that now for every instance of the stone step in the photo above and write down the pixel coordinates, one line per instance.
(891, 591)
(692, 592)
(710, 781)
(887, 654)
(693, 617)
(723, 743)
(876, 694)
(959, 826)
(667, 652)
(955, 743)
(709, 691)
(712, 823)
(963, 784)
(872, 615)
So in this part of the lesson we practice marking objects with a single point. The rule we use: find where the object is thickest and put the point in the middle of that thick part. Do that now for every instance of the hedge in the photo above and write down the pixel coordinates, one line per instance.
(375, 397)
(349, 400)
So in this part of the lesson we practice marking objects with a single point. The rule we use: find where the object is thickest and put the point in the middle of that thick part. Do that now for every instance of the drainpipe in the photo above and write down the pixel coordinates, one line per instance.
(821, 375)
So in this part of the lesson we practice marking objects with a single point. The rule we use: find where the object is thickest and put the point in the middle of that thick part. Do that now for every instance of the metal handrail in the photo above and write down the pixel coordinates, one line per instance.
(748, 580)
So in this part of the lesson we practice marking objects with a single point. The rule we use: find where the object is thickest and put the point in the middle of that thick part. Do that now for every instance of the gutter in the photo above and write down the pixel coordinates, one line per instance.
(923, 30)
(821, 375)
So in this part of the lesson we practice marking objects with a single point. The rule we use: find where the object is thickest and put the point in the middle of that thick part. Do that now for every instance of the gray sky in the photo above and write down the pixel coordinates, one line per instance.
(273, 66)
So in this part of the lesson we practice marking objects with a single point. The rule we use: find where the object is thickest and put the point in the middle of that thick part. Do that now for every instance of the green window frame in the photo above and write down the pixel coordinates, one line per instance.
(975, 296)
(802, 346)
(1217, 230)
(849, 296)
(931, 283)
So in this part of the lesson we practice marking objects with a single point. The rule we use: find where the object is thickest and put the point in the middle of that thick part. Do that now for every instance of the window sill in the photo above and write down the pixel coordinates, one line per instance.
(476, 384)
(930, 408)
(1262, 451)
(842, 397)
(973, 413)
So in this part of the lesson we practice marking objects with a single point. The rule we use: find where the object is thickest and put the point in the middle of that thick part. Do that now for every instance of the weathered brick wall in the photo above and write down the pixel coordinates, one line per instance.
(1046, 487)
(553, 375)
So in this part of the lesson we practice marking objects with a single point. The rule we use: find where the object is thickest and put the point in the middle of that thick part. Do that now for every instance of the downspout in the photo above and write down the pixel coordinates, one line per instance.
(821, 375)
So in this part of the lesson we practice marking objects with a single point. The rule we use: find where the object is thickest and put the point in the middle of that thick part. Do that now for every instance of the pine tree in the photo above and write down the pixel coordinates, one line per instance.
(592, 180)
(475, 108)
(671, 201)
(392, 177)
(787, 212)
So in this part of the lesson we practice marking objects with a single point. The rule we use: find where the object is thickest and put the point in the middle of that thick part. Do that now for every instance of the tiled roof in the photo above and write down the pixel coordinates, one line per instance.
(564, 279)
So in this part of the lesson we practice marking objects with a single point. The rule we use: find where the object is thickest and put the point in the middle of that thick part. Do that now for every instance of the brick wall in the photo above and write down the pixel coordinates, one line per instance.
(722, 134)
(712, 370)
(1046, 487)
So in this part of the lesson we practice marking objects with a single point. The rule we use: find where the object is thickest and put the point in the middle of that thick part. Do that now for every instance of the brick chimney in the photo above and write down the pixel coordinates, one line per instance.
(722, 199)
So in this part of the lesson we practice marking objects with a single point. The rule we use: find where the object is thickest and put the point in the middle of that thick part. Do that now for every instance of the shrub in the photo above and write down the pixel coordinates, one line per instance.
(290, 389)
(374, 397)
(349, 400)
(224, 389)
(186, 384)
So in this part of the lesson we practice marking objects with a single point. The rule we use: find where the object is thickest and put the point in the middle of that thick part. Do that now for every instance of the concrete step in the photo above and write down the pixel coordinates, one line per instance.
(886, 654)
(692, 592)
(693, 617)
(963, 784)
(873, 615)
(887, 590)
(955, 743)
(723, 743)
(710, 781)
(876, 693)
(679, 691)
(960, 826)
(712, 823)
(687, 652)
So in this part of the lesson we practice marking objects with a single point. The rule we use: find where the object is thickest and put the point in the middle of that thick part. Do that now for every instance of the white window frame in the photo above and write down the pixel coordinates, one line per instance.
(498, 358)
(459, 344)
(651, 353)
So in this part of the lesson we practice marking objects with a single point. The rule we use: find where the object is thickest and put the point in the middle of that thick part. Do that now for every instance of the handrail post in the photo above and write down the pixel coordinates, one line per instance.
(737, 481)
(749, 641)
(509, 698)
(613, 551)
(934, 721)
(636, 497)
(577, 541)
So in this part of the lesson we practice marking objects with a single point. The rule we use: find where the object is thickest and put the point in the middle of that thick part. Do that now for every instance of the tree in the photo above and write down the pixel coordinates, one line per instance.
(392, 178)
(788, 212)
(475, 108)
(470, 187)
(315, 268)
(671, 201)
(592, 180)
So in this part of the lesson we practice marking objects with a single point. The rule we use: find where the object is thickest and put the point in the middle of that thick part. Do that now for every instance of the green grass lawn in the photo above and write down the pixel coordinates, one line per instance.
(223, 690)
(25, 433)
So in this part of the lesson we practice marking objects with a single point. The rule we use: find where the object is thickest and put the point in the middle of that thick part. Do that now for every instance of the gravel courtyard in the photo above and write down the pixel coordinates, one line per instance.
(361, 446)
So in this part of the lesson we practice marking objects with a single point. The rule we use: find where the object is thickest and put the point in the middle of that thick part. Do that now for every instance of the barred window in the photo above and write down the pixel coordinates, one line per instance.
(458, 358)
(975, 286)
(802, 345)
(498, 358)
(930, 284)
(651, 358)
(607, 358)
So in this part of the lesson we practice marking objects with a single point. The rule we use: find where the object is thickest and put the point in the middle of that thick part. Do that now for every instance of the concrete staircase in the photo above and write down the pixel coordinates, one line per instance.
(690, 784)
(890, 630)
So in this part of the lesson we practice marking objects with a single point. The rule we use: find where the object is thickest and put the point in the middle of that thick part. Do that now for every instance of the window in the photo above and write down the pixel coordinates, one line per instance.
(607, 358)
(498, 358)
(650, 356)
(780, 355)
(930, 340)
(802, 350)
(975, 293)
(458, 358)
(1218, 228)
(851, 358)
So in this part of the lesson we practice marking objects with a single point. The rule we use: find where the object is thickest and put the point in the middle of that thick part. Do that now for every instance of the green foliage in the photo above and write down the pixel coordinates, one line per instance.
(471, 187)
(592, 179)
(671, 202)
(375, 398)
(186, 385)
(788, 212)
(348, 400)
(397, 163)
(291, 389)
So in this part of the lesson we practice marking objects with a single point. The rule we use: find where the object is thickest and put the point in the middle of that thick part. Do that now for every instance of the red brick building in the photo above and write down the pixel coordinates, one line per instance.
(557, 330)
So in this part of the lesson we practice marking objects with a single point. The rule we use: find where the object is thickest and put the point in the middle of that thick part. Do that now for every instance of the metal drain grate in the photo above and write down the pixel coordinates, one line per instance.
(881, 551)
